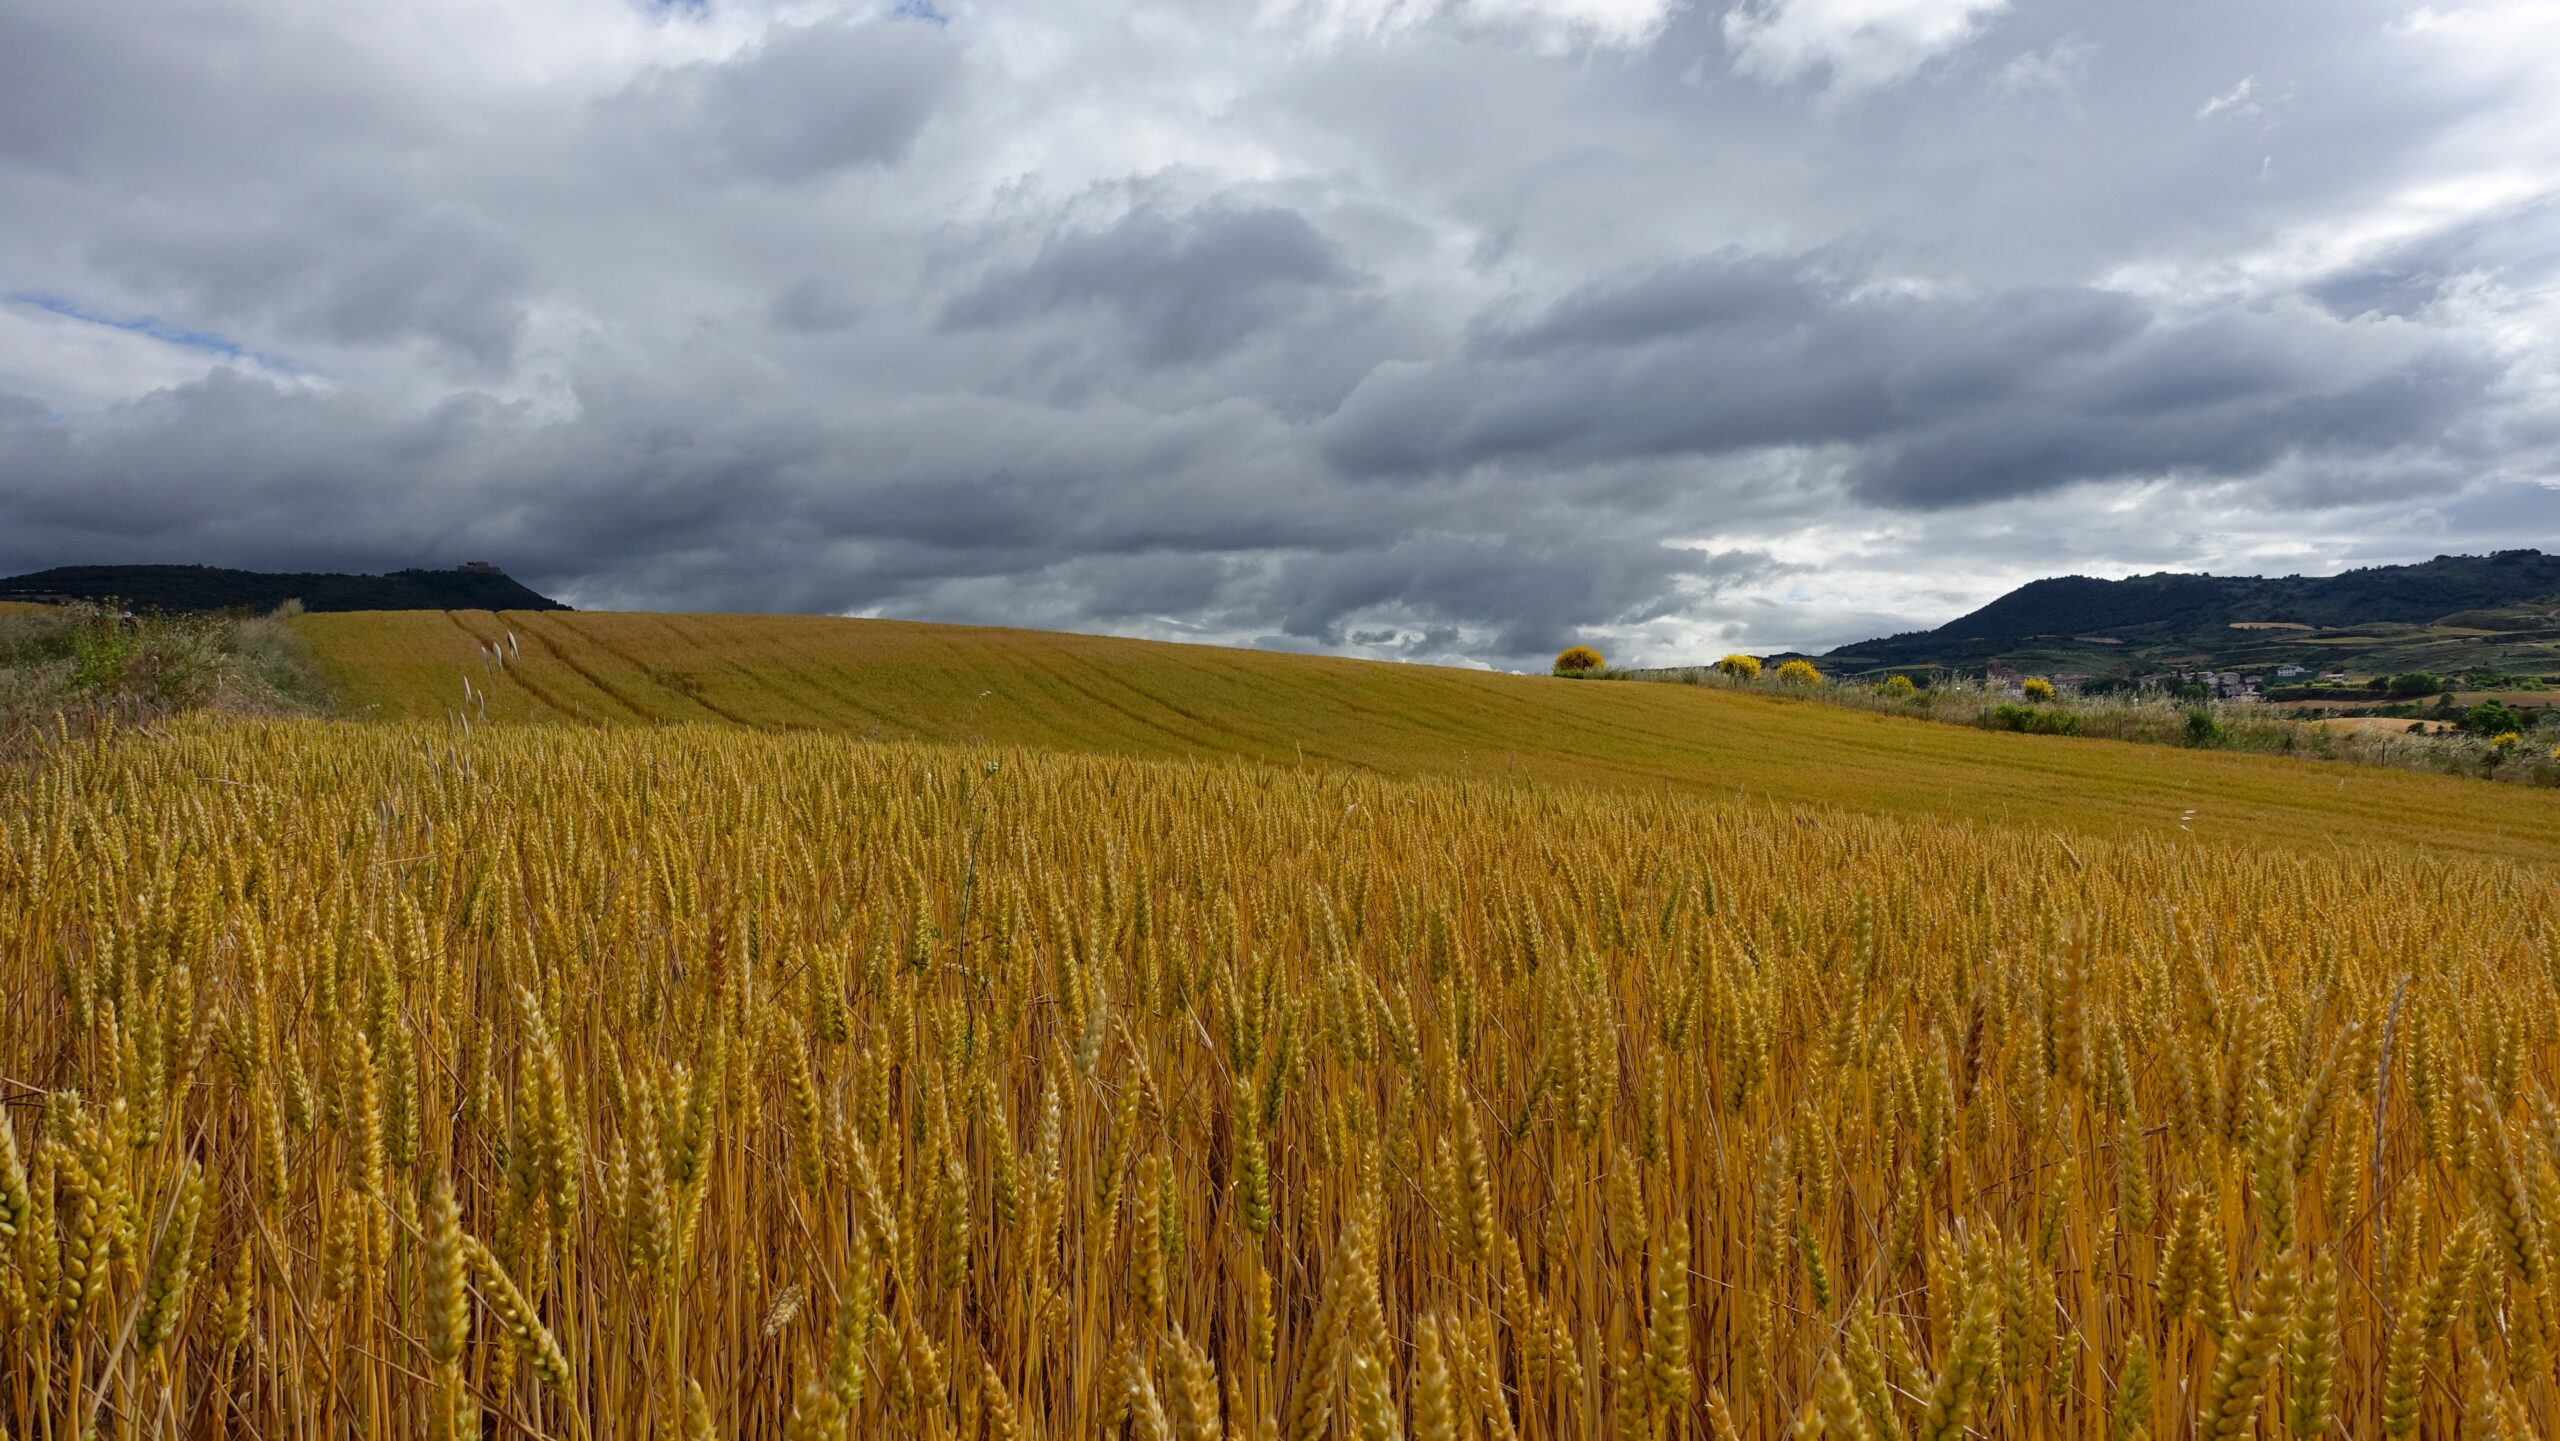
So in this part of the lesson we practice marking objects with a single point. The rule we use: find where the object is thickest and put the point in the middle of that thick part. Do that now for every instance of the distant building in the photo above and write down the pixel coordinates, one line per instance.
(2288, 672)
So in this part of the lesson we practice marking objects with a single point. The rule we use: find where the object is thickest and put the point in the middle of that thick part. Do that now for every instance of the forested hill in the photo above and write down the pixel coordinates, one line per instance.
(210, 588)
(2203, 610)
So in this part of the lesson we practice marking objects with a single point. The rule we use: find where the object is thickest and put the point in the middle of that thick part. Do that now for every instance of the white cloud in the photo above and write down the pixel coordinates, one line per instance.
(1550, 23)
(2240, 99)
(1857, 45)
(76, 364)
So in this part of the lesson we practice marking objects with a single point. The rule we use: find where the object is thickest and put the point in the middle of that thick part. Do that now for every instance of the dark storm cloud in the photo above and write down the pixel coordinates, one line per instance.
(1183, 287)
(1950, 400)
(1445, 332)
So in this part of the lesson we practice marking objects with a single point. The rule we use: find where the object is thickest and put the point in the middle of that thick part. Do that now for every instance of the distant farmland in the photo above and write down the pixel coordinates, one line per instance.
(903, 681)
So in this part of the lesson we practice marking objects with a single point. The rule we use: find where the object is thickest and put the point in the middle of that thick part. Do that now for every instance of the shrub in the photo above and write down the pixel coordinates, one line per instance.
(2204, 730)
(2490, 718)
(1799, 672)
(2036, 687)
(1897, 688)
(1578, 661)
(2411, 684)
(2033, 720)
(101, 650)
(1740, 667)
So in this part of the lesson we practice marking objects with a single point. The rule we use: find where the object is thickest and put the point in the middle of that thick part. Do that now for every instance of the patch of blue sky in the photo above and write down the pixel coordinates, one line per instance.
(923, 10)
(151, 326)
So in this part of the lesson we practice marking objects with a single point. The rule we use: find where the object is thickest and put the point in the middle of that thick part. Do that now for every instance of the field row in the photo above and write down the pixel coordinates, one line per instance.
(894, 680)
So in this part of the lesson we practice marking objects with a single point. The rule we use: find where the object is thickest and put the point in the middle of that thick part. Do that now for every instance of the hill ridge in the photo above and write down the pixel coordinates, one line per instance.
(473, 585)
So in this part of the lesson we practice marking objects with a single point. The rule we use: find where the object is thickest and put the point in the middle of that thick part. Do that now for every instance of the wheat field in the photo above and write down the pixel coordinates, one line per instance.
(535, 1081)
(899, 680)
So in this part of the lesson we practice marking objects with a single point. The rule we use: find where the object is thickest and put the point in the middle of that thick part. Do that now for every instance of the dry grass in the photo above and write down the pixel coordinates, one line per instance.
(382, 1080)
(894, 680)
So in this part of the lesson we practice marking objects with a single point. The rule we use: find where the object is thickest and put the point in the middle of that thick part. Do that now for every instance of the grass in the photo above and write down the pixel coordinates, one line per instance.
(85, 667)
(904, 681)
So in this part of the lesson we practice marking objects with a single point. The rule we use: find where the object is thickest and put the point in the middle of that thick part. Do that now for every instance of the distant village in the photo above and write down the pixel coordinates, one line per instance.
(2230, 685)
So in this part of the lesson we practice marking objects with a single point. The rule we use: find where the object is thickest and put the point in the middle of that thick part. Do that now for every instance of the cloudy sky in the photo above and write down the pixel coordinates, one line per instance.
(1446, 329)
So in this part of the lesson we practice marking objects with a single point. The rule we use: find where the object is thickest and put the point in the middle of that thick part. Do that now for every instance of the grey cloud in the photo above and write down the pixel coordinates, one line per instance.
(811, 305)
(1184, 287)
(803, 103)
(360, 273)
(2519, 246)
(1446, 344)
(1949, 400)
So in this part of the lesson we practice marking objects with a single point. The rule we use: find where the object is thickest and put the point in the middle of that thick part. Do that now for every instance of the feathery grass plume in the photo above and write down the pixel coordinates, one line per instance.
(2251, 1352)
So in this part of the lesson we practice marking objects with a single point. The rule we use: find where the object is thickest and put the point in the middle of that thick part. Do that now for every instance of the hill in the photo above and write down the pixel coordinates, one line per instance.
(2494, 612)
(906, 681)
(175, 588)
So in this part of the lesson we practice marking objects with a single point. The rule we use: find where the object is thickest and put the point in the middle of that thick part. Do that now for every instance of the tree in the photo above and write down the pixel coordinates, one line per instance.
(2409, 685)
(1740, 667)
(1799, 672)
(1578, 660)
(2491, 718)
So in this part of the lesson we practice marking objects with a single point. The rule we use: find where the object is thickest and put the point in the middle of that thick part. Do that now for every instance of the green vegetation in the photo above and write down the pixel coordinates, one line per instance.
(2042, 720)
(2189, 717)
(2491, 718)
(90, 666)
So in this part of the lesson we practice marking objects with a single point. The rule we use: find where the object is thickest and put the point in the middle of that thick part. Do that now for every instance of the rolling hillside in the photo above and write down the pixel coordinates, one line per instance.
(2453, 613)
(903, 681)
